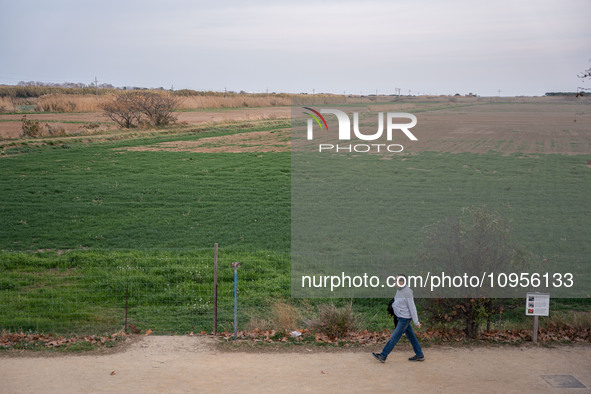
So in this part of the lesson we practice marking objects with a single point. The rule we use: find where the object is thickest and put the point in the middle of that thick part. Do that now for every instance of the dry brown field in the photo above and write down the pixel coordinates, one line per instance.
(539, 125)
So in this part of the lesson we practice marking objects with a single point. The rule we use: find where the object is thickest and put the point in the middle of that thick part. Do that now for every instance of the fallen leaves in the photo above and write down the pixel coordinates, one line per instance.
(134, 329)
(305, 335)
(554, 332)
(31, 341)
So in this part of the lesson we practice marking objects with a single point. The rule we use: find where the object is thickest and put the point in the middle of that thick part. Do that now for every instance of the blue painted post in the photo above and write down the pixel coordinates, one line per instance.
(235, 303)
(235, 266)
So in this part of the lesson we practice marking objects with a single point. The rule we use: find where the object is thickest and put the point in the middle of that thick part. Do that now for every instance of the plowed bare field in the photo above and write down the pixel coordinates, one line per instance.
(533, 126)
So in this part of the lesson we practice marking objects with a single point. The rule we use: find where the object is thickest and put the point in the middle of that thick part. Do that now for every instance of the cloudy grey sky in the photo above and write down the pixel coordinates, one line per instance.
(525, 47)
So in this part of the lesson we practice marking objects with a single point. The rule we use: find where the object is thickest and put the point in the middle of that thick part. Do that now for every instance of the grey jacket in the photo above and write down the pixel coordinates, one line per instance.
(404, 305)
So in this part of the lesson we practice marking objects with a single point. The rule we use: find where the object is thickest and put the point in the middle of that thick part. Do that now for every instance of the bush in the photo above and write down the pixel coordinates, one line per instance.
(122, 109)
(55, 130)
(31, 127)
(158, 107)
(284, 316)
(478, 241)
(335, 322)
(130, 109)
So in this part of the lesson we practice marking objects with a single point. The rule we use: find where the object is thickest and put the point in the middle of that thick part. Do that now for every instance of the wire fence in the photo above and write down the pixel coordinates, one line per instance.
(87, 292)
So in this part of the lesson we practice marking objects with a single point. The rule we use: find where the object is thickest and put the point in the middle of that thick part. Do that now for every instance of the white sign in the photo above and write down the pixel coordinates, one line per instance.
(537, 304)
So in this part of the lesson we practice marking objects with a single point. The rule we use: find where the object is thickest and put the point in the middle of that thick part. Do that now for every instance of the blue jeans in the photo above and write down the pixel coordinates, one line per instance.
(403, 327)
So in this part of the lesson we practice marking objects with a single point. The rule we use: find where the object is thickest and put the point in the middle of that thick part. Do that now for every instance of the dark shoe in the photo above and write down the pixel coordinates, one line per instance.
(379, 357)
(417, 358)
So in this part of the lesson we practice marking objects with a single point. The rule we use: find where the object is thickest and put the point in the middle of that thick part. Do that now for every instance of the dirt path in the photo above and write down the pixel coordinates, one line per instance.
(193, 364)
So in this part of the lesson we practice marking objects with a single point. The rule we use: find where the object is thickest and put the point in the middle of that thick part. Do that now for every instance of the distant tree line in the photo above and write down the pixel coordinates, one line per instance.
(32, 89)
(70, 85)
(561, 94)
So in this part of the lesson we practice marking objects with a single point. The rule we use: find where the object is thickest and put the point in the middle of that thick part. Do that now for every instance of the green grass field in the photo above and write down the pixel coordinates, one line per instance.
(147, 221)
(94, 197)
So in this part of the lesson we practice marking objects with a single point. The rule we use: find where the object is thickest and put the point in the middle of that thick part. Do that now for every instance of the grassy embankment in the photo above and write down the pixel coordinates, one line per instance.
(113, 219)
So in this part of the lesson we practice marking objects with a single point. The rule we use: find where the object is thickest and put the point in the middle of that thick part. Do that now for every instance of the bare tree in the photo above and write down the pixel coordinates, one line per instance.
(122, 108)
(130, 109)
(584, 75)
(158, 107)
(478, 241)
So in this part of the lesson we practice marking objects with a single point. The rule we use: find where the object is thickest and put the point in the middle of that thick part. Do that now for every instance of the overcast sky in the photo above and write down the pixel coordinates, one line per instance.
(525, 47)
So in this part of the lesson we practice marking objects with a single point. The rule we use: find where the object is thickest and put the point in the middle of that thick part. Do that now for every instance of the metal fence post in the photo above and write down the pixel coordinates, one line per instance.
(215, 288)
(126, 304)
(235, 266)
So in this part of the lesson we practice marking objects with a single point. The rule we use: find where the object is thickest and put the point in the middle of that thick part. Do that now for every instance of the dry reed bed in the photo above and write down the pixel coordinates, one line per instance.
(6, 105)
(233, 101)
(92, 103)
(68, 103)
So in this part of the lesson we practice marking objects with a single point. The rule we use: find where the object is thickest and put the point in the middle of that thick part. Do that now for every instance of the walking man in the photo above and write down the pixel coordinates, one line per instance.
(405, 309)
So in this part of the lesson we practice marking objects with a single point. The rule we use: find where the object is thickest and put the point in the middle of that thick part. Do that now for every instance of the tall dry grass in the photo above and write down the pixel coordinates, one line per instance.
(215, 101)
(233, 101)
(6, 105)
(283, 316)
(335, 321)
(68, 103)
(92, 103)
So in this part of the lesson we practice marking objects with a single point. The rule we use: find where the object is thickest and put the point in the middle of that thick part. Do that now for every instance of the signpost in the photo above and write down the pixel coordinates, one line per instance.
(537, 304)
